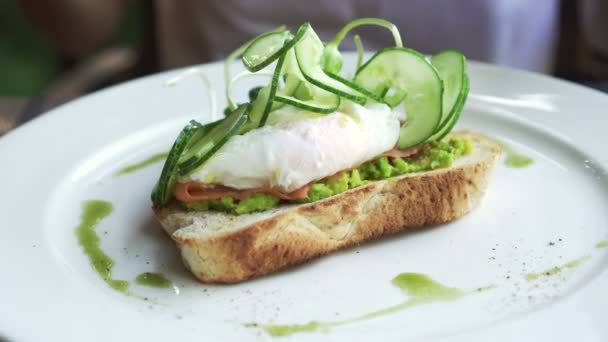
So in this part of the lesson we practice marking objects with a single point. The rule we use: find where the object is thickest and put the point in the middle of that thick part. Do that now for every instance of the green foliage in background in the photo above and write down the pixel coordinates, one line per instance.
(28, 62)
(130, 32)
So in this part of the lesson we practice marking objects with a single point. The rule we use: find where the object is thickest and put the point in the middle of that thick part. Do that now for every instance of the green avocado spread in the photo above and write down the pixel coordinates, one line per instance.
(432, 155)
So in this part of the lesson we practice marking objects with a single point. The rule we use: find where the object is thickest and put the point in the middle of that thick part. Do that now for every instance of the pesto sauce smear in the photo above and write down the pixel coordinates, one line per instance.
(151, 279)
(142, 164)
(433, 155)
(513, 158)
(557, 269)
(93, 211)
(602, 244)
(420, 288)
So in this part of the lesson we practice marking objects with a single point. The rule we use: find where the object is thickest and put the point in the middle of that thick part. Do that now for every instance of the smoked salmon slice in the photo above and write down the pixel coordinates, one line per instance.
(194, 191)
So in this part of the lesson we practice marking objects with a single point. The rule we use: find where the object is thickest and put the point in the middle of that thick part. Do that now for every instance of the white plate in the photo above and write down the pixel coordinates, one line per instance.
(530, 220)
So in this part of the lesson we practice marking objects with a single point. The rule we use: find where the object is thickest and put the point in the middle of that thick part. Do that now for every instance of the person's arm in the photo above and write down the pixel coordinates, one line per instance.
(76, 27)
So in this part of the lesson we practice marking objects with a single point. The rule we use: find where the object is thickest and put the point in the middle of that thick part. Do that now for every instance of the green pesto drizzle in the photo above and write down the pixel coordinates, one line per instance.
(557, 269)
(144, 163)
(150, 279)
(602, 244)
(289, 329)
(514, 159)
(93, 212)
(420, 288)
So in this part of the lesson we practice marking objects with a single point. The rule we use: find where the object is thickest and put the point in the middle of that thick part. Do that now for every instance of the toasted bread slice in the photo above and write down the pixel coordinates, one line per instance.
(222, 248)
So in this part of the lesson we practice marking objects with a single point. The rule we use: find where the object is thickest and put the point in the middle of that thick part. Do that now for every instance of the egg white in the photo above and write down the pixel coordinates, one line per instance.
(290, 154)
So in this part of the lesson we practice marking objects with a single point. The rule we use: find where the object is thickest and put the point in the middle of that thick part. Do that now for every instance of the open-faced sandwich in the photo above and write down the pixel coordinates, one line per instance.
(318, 161)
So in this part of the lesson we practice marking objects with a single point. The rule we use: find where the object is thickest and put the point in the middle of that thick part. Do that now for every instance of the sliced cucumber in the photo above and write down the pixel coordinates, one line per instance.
(265, 49)
(231, 58)
(292, 84)
(309, 51)
(360, 51)
(238, 77)
(454, 115)
(303, 92)
(214, 140)
(295, 83)
(324, 105)
(290, 87)
(290, 66)
(332, 59)
(264, 103)
(273, 90)
(268, 47)
(394, 98)
(355, 87)
(195, 142)
(257, 110)
(253, 93)
(406, 70)
(161, 194)
(451, 65)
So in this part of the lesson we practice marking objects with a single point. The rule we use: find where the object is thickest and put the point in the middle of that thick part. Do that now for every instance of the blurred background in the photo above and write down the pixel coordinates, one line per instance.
(54, 51)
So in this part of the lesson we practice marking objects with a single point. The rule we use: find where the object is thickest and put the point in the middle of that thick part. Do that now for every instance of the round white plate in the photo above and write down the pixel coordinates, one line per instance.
(531, 219)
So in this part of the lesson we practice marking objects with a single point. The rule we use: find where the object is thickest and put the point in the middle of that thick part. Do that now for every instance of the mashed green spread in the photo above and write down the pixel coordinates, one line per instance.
(433, 155)
(253, 203)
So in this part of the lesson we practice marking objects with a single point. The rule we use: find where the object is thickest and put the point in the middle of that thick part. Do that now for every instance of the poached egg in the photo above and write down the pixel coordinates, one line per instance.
(290, 154)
